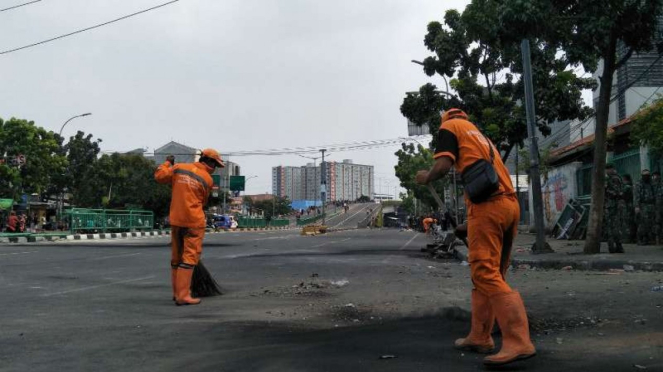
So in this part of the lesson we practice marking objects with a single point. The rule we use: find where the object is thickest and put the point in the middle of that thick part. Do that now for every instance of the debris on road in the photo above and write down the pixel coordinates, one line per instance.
(567, 268)
(629, 268)
(388, 356)
(658, 288)
(339, 283)
(637, 366)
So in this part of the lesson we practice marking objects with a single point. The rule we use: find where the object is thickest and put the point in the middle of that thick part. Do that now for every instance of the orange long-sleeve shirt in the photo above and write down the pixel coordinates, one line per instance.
(191, 185)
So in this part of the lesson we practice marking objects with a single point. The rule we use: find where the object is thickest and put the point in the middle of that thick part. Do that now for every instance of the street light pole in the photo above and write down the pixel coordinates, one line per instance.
(60, 134)
(72, 118)
(323, 184)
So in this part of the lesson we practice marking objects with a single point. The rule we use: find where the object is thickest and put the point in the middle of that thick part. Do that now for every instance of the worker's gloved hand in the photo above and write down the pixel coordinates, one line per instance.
(170, 159)
(461, 231)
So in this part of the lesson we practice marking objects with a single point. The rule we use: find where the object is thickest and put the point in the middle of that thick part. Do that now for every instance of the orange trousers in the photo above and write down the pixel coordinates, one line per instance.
(491, 228)
(186, 246)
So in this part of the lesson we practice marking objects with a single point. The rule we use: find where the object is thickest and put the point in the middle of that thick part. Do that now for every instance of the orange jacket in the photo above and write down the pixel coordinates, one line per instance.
(463, 143)
(191, 184)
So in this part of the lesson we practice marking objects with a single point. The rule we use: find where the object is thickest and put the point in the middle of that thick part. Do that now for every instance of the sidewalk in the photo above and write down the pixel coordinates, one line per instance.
(568, 255)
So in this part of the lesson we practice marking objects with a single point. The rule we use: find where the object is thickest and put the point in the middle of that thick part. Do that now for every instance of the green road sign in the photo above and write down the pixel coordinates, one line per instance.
(237, 183)
(217, 179)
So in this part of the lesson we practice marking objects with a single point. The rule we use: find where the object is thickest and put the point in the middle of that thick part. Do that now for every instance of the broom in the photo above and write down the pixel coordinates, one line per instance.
(202, 283)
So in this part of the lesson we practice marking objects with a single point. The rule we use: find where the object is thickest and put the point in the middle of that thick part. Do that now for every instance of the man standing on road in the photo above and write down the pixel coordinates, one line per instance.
(12, 222)
(645, 209)
(191, 186)
(614, 210)
(492, 227)
(656, 181)
(628, 225)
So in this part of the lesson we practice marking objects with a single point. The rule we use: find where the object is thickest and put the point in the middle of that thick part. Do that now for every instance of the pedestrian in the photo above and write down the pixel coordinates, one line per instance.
(21, 223)
(191, 186)
(645, 209)
(427, 222)
(12, 222)
(628, 218)
(614, 210)
(493, 215)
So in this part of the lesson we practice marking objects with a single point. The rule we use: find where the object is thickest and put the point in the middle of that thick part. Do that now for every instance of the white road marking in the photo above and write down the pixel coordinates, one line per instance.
(332, 242)
(340, 223)
(401, 248)
(10, 254)
(114, 256)
(96, 286)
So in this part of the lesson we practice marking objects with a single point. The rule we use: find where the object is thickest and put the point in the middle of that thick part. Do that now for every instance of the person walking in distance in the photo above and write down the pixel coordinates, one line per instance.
(493, 215)
(628, 218)
(191, 185)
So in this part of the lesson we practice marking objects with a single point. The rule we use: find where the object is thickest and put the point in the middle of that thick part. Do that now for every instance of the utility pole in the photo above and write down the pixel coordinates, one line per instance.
(540, 246)
(323, 184)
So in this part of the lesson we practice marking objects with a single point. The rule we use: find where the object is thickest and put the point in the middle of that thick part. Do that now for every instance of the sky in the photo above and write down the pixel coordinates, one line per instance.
(234, 75)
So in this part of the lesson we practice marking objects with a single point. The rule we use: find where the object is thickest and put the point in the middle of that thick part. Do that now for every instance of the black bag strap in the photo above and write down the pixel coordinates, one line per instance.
(490, 146)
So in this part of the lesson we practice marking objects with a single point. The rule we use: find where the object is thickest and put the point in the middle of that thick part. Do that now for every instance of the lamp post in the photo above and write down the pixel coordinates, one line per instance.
(72, 118)
(60, 134)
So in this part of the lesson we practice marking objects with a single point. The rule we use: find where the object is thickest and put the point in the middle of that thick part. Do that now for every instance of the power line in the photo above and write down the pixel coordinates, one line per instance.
(364, 145)
(88, 28)
(18, 6)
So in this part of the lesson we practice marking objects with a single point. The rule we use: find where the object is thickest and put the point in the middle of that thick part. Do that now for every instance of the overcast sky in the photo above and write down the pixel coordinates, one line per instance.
(234, 75)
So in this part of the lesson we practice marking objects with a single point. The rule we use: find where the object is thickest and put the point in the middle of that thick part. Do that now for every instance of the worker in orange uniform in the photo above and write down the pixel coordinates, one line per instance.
(191, 183)
(492, 226)
(427, 222)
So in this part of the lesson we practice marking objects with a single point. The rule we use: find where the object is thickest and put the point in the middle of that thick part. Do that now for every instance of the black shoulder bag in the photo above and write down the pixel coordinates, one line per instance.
(480, 178)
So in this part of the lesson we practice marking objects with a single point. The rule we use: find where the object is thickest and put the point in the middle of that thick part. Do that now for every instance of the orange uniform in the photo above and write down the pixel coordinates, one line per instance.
(491, 228)
(491, 225)
(427, 222)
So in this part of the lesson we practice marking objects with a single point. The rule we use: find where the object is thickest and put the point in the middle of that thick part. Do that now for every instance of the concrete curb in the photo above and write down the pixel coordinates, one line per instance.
(581, 265)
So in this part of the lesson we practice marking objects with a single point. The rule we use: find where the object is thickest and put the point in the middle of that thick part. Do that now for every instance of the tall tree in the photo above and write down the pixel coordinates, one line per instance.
(410, 160)
(485, 72)
(43, 154)
(86, 189)
(586, 32)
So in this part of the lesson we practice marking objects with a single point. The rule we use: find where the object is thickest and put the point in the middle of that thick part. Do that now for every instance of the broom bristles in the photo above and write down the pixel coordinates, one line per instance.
(202, 283)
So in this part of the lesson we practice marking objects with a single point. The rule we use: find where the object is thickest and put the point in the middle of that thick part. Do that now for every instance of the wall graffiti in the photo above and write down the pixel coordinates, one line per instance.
(556, 194)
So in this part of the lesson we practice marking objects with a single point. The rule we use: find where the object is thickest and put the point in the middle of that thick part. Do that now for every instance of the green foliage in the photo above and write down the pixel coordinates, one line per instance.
(412, 159)
(648, 127)
(277, 206)
(45, 160)
(129, 180)
(363, 199)
(524, 161)
(485, 69)
(83, 185)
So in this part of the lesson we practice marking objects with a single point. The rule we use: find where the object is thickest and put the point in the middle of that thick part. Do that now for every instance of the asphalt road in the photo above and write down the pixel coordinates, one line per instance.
(336, 302)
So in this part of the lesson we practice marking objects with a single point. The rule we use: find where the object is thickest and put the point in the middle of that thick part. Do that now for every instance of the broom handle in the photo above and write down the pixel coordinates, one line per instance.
(443, 208)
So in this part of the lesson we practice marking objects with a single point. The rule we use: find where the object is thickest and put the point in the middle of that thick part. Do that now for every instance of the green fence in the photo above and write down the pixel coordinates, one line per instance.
(310, 220)
(279, 223)
(627, 162)
(104, 220)
(248, 222)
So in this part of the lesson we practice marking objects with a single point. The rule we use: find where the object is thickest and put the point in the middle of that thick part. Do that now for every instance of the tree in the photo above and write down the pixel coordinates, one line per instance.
(44, 158)
(648, 127)
(274, 207)
(410, 160)
(486, 78)
(586, 32)
(86, 189)
(128, 182)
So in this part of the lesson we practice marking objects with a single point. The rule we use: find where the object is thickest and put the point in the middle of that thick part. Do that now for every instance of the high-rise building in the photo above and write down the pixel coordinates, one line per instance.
(344, 181)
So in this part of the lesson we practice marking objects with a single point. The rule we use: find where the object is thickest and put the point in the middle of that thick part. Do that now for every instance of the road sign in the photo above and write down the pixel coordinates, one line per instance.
(237, 183)
(217, 179)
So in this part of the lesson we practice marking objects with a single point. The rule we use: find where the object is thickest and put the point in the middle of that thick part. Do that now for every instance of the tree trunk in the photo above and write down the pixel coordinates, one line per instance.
(593, 241)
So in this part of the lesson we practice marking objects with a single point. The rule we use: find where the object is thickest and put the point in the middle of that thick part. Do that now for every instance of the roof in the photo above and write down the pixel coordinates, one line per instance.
(584, 143)
(171, 144)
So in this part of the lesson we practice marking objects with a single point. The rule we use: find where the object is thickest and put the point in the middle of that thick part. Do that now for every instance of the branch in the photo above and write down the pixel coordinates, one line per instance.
(624, 59)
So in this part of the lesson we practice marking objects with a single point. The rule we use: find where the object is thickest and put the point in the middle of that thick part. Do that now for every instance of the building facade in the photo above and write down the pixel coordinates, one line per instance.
(343, 181)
